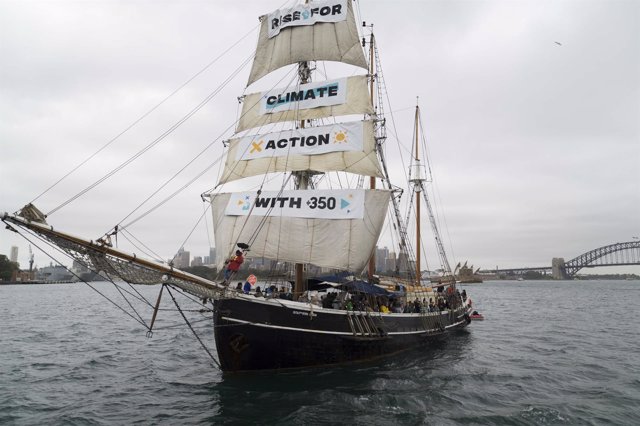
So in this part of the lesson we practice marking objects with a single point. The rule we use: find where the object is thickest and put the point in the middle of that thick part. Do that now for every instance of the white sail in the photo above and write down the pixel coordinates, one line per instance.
(349, 147)
(346, 96)
(299, 41)
(334, 243)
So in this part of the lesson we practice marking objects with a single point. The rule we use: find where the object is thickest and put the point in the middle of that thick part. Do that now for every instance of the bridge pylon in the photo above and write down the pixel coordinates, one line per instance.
(558, 270)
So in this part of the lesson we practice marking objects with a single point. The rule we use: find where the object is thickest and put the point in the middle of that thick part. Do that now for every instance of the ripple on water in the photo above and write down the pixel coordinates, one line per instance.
(547, 353)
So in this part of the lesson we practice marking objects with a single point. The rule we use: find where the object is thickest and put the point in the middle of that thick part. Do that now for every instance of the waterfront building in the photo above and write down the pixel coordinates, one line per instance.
(13, 257)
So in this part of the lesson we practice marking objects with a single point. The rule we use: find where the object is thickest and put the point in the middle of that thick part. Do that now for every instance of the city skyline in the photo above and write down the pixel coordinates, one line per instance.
(386, 261)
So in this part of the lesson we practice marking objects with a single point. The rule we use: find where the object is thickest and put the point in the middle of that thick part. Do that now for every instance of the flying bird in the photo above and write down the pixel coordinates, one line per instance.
(558, 43)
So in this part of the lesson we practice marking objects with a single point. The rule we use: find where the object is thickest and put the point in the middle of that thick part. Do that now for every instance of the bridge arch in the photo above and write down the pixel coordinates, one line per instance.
(612, 255)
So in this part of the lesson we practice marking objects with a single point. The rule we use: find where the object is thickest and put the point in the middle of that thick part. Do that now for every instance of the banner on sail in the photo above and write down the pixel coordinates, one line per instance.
(332, 41)
(307, 14)
(312, 204)
(303, 240)
(306, 102)
(364, 161)
(308, 141)
(305, 96)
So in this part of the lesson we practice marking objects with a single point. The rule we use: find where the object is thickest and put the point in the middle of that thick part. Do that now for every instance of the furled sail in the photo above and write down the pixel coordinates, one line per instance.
(327, 228)
(330, 98)
(320, 30)
(348, 147)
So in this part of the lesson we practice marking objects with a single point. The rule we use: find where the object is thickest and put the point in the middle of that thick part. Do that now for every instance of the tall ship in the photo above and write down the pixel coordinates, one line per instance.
(315, 145)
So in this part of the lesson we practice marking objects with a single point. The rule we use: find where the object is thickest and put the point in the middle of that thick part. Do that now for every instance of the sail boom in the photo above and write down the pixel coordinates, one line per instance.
(117, 264)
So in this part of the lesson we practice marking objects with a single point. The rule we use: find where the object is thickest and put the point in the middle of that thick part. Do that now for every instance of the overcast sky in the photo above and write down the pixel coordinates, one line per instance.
(531, 111)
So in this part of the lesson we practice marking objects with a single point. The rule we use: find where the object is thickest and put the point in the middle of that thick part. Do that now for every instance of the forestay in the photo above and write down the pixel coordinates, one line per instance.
(299, 42)
(303, 240)
(348, 147)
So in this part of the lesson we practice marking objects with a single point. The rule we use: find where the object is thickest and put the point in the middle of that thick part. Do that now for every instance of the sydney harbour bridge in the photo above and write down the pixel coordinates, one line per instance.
(618, 254)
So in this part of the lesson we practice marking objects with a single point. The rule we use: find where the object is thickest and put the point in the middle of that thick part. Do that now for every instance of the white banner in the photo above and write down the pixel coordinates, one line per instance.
(310, 141)
(307, 14)
(305, 96)
(312, 204)
(357, 101)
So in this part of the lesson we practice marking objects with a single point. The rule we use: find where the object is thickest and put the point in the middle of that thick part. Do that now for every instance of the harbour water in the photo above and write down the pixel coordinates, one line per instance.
(563, 352)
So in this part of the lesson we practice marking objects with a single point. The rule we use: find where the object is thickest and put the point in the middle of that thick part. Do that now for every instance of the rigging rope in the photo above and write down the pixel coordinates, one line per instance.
(192, 330)
(149, 253)
(436, 192)
(193, 229)
(176, 192)
(159, 139)
(229, 78)
(145, 114)
(138, 320)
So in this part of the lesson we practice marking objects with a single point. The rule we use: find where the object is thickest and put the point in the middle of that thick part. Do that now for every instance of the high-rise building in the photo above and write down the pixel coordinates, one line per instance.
(212, 255)
(381, 259)
(402, 263)
(181, 259)
(14, 254)
(391, 261)
(197, 261)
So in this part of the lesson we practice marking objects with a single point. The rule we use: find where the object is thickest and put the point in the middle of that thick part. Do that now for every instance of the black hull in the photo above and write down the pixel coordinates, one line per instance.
(265, 334)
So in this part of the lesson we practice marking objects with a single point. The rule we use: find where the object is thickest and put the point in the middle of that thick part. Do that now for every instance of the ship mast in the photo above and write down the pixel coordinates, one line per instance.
(418, 176)
(417, 180)
(302, 179)
(372, 179)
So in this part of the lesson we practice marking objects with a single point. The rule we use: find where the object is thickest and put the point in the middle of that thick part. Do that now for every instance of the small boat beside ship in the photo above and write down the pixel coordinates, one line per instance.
(475, 316)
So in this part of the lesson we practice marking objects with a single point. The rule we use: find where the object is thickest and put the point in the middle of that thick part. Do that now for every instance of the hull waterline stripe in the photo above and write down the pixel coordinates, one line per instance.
(339, 333)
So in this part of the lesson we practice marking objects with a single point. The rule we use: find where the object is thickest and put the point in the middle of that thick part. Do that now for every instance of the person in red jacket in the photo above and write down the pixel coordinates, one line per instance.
(233, 265)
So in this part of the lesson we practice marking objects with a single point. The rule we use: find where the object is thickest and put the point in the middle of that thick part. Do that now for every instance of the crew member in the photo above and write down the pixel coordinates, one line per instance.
(233, 265)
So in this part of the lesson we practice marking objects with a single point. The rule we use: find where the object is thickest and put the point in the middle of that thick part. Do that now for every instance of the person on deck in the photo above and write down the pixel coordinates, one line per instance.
(417, 306)
(233, 265)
